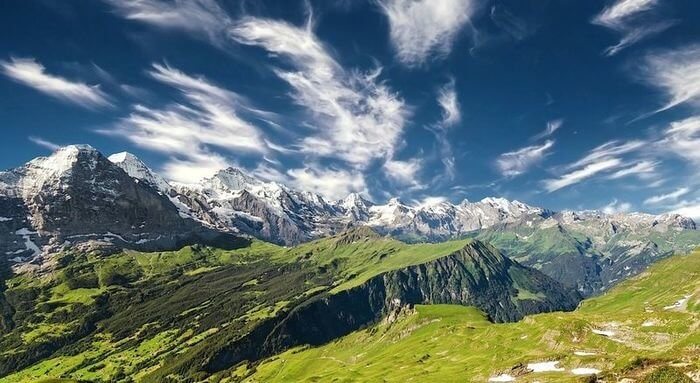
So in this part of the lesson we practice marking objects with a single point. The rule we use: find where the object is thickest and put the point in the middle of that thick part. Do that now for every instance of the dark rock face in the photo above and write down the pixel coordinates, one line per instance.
(478, 275)
(78, 195)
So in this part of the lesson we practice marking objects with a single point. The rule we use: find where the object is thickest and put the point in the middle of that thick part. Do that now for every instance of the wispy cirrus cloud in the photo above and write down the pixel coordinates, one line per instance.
(552, 126)
(44, 143)
(515, 163)
(641, 169)
(676, 73)
(682, 138)
(208, 117)
(355, 117)
(585, 172)
(604, 159)
(630, 18)
(422, 29)
(517, 27)
(450, 115)
(29, 72)
(607, 150)
(205, 18)
(667, 197)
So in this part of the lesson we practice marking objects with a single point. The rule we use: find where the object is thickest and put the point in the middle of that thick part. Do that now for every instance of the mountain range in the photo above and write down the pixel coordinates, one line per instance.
(112, 273)
(79, 197)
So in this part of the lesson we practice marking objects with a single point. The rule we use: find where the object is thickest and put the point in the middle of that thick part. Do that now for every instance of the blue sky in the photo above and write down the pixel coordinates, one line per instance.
(564, 104)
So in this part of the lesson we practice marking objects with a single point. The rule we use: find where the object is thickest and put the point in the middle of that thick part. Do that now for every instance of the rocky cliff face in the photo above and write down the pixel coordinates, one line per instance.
(77, 196)
(478, 275)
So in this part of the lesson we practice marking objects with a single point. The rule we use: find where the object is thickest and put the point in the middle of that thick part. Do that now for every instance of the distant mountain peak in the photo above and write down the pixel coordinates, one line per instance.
(135, 168)
(234, 178)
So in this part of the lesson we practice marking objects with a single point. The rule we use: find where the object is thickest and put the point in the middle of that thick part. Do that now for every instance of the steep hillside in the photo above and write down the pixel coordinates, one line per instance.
(646, 324)
(202, 311)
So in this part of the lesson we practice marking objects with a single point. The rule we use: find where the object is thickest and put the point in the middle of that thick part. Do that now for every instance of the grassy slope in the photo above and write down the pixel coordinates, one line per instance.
(183, 311)
(456, 344)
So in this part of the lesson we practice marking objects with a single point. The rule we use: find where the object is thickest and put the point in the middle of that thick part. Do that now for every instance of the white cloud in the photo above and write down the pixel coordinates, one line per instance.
(430, 201)
(44, 143)
(689, 209)
(616, 207)
(356, 118)
(331, 183)
(682, 138)
(675, 72)
(449, 103)
(613, 15)
(421, 28)
(31, 73)
(451, 115)
(403, 172)
(625, 17)
(552, 126)
(638, 34)
(194, 166)
(578, 175)
(210, 117)
(672, 196)
(642, 169)
(204, 17)
(511, 164)
(609, 149)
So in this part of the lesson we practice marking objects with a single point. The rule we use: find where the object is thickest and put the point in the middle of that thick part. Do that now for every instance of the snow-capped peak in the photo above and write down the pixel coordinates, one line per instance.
(354, 200)
(233, 179)
(135, 168)
(45, 170)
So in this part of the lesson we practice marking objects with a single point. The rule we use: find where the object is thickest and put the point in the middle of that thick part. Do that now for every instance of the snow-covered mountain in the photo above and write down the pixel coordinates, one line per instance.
(78, 195)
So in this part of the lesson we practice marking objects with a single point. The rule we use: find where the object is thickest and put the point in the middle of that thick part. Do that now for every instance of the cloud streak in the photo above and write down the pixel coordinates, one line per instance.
(578, 175)
(420, 29)
(515, 163)
(627, 17)
(664, 198)
(552, 126)
(356, 118)
(451, 115)
(204, 18)
(210, 116)
(44, 143)
(677, 73)
(29, 72)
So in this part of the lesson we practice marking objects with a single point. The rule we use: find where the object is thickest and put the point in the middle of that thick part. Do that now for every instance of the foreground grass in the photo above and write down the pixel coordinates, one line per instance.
(645, 329)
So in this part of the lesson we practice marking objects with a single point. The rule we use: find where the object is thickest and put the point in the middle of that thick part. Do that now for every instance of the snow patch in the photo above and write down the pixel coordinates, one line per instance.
(608, 333)
(25, 233)
(679, 304)
(5, 219)
(585, 371)
(584, 353)
(502, 378)
(544, 366)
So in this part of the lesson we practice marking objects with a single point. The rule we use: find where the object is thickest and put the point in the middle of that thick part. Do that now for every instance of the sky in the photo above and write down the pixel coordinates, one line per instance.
(565, 104)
